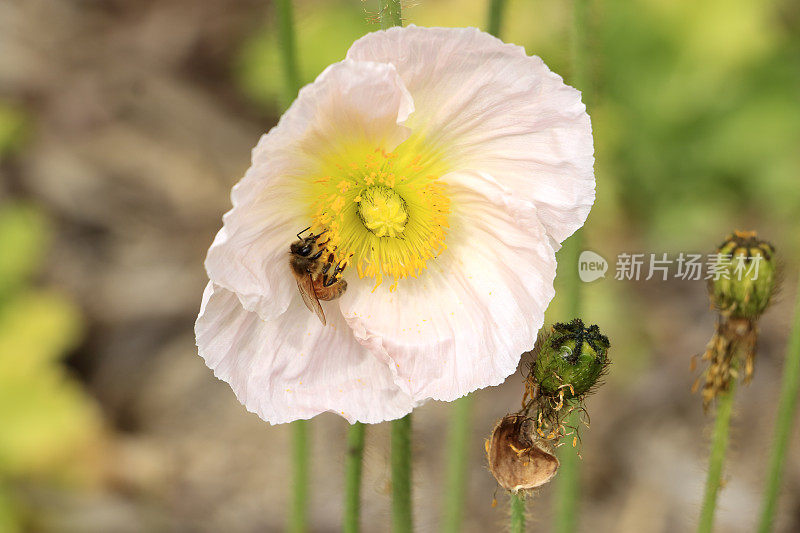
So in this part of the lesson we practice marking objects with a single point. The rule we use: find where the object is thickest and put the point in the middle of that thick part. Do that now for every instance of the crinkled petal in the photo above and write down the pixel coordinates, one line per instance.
(463, 324)
(291, 367)
(489, 107)
(349, 103)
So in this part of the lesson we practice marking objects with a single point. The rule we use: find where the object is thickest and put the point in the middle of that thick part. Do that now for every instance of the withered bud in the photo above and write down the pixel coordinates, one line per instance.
(518, 459)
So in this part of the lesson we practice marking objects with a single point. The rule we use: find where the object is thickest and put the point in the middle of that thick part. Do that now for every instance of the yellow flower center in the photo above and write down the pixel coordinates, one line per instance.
(385, 213)
(382, 211)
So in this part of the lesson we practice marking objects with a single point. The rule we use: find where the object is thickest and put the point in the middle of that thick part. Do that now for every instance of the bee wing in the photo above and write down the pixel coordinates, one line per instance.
(306, 288)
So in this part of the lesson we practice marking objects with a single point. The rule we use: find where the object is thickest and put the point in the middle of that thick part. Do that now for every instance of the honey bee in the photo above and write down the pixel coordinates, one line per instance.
(315, 279)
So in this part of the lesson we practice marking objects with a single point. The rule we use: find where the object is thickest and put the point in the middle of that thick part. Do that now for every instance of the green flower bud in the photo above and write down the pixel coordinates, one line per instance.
(570, 360)
(744, 276)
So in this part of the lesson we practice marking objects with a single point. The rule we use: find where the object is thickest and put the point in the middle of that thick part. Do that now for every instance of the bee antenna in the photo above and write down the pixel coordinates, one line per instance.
(305, 230)
(320, 234)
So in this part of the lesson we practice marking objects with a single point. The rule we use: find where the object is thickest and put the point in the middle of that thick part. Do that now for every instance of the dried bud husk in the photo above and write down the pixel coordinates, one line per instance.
(746, 276)
(733, 345)
(518, 459)
(570, 360)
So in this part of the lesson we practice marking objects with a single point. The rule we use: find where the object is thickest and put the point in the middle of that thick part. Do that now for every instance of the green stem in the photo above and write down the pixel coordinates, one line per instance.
(568, 484)
(787, 407)
(496, 10)
(457, 465)
(352, 478)
(517, 514)
(401, 475)
(390, 13)
(719, 447)
(568, 481)
(567, 489)
(288, 49)
(578, 46)
(298, 521)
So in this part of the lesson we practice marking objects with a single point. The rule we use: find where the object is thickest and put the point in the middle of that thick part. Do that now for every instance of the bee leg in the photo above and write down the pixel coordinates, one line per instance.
(335, 275)
(328, 264)
(322, 244)
(316, 255)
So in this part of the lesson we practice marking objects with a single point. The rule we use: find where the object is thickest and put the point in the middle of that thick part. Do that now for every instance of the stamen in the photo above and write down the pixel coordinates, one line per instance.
(387, 210)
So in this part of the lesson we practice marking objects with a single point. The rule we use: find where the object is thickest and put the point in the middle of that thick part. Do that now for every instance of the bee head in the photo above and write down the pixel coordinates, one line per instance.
(302, 248)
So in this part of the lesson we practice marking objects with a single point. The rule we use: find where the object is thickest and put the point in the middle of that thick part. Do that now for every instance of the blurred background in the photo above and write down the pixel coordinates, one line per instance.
(123, 126)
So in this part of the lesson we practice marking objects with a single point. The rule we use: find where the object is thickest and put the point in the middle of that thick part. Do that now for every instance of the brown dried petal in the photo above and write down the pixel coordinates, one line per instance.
(517, 458)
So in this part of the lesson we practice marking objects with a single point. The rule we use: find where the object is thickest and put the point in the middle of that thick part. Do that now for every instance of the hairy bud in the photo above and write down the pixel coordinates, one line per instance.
(744, 276)
(570, 360)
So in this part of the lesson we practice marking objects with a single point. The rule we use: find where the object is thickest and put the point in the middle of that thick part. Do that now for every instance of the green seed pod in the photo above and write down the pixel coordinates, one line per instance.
(744, 276)
(570, 360)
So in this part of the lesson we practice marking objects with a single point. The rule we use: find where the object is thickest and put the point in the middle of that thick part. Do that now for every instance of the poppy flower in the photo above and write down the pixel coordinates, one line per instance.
(441, 168)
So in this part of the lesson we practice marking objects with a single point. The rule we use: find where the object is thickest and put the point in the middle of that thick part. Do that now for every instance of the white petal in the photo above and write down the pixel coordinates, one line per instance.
(489, 107)
(350, 102)
(463, 324)
(292, 367)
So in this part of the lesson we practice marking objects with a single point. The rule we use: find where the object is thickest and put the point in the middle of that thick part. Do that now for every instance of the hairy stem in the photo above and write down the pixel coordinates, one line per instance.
(288, 49)
(496, 10)
(567, 489)
(517, 514)
(352, 478)
(298, 521)
(787, 407)
(716, 460)
(457, 464)
(390, 13)
(401, 475)
(568, 481)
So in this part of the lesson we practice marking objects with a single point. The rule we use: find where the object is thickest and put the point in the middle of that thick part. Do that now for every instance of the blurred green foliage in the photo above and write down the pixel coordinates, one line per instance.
(14, 128)
(49, 422)
(701, 102)
(22, 239)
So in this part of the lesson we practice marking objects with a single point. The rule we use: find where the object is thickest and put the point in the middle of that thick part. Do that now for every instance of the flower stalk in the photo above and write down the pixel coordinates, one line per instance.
(390, 13)
(288, 49)
(719, 447)
(787, 407)
(298, 521)
(568, 483)
(352, 478)
(402, 521)
(567, 487)
(496, 10)
(517, 514)
(458, 463)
